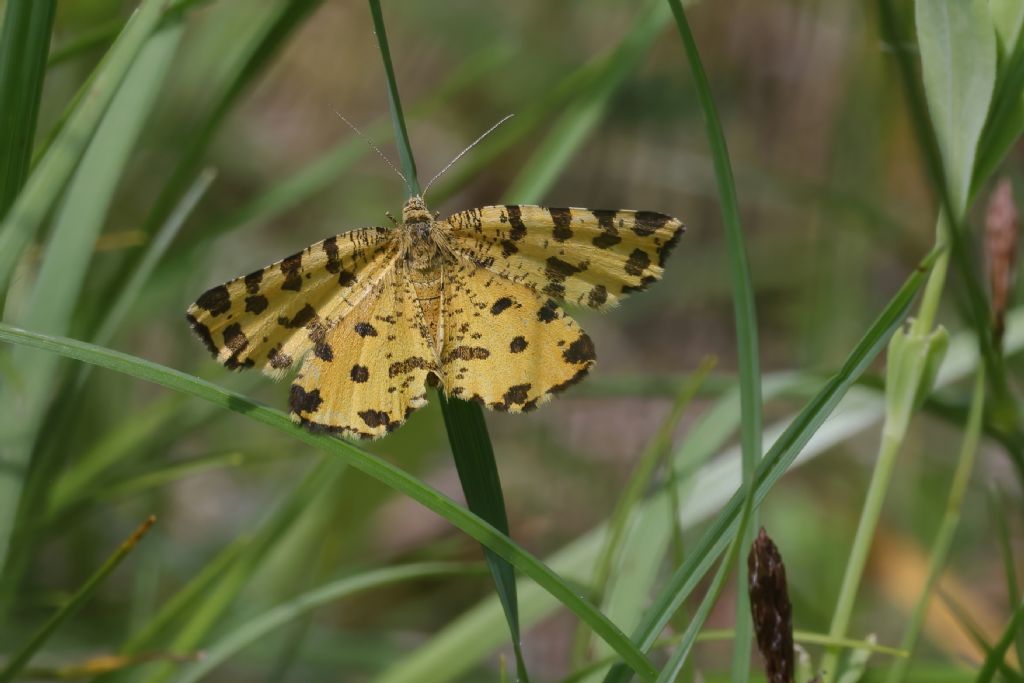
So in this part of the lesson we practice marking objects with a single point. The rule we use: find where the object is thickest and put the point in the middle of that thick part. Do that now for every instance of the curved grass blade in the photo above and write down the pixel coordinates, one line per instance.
(383, 471)
(48, 179)
(252, 630)
(80, 597)
(24, 43)
(775, 463)
(752, 423)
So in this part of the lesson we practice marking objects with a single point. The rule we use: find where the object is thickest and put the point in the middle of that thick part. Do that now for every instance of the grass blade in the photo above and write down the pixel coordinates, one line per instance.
(947, 529)
(383, 471)
(775, 463)
(638, 481)
(24, 44)
(252, 630)
(995, 661)
(68, 255)
(44, 186)
(464, 421)
(80, 597)
(405, 156)
(752, 422)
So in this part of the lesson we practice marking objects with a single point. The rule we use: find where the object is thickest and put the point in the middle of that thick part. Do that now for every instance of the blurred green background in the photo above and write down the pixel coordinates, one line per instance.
(836, 211)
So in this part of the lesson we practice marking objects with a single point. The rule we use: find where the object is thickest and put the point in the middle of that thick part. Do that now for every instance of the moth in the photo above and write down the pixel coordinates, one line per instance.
(470, 303)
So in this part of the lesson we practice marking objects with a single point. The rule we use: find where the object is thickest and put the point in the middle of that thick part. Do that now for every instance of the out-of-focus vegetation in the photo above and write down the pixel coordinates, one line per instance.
(195, 140)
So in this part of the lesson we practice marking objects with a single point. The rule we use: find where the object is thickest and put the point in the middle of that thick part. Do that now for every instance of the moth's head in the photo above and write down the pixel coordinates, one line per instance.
(415, 211)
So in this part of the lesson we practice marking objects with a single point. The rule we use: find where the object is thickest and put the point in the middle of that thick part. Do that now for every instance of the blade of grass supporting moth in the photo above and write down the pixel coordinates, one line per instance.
(775, 463)
(47, 181)
(751, 425)
(252, 630)
(24, 44)
(464, 421)
(80, 597)
(379, 469)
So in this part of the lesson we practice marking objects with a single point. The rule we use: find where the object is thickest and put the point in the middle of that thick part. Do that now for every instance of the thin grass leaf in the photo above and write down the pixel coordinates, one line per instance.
(656, 450)
(405, 156)
(69, 252)
(464, 420)
(81, 596)
(24, 42)
(253, 630)
(262, 47)
(996, 659)
(997, 513)
(385, 472)
(745, 313)
(48, 179)
(774, 464)
(201, 616)
(947, 529)
(670, 672)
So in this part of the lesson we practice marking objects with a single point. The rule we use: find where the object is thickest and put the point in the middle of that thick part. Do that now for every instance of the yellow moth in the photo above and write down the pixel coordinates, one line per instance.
(469, 303)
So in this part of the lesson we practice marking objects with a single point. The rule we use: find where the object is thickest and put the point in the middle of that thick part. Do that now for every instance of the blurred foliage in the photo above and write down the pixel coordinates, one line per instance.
(837, 209)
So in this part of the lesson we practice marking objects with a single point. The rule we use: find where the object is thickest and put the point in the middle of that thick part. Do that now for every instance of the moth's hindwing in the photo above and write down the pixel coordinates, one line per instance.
(586, 257)
(369, 374)
(505, 345)
(271, 317)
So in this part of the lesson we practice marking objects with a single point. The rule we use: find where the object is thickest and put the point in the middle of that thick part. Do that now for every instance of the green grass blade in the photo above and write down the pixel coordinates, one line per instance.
(47, 181)
(670, 671)
(405, 155)
(995, 661)
(464, 421)
(80, 597)
(997, 513)
(481, 484)
(383, 471)
(252, 630)
(247, 550)
(24, 43)
(947, 529)
(68, 255)
(775, 463)
(745, 320)
(257, 54)
(655, 451)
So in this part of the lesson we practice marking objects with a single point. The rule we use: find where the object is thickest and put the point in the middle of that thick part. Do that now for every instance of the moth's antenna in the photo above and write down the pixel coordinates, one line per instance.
(376, 149)
(463, 152)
